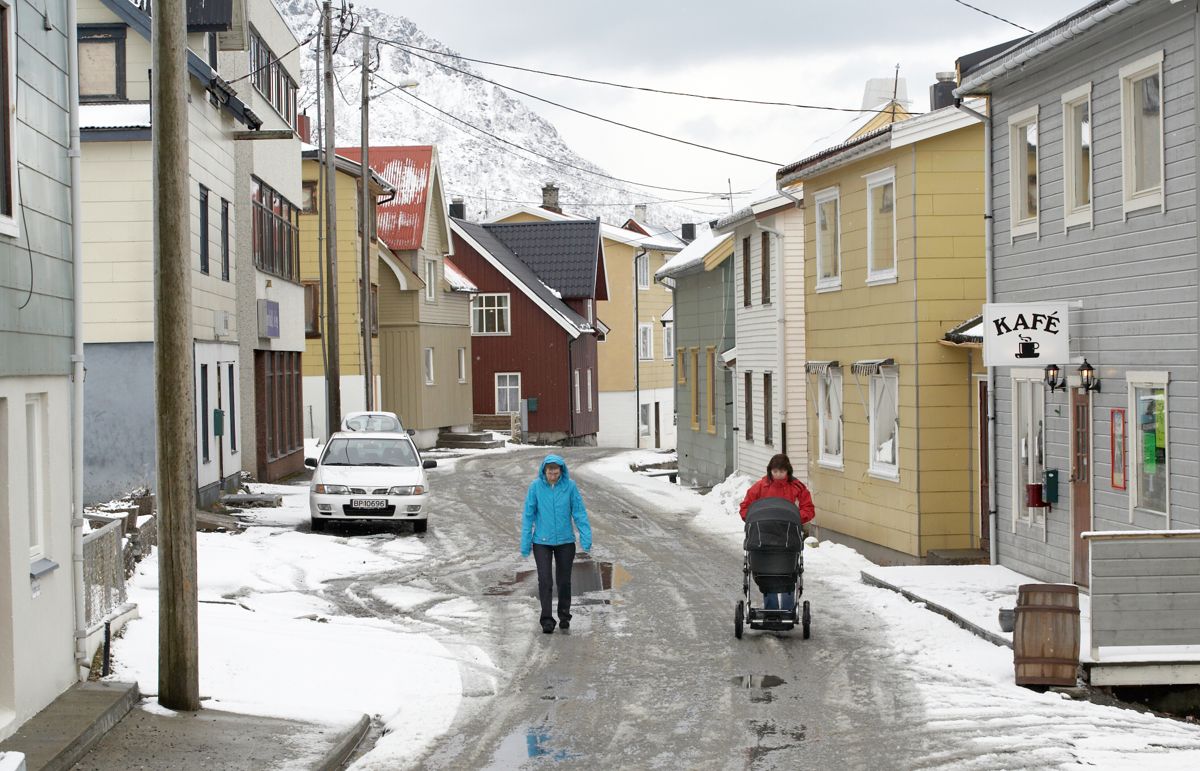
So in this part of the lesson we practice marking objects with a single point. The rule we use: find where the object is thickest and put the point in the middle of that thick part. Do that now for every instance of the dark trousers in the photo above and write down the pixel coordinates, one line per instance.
(562, 556)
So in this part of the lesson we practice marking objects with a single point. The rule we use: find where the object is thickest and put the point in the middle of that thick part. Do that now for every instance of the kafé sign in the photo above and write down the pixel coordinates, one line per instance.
(1025, 334)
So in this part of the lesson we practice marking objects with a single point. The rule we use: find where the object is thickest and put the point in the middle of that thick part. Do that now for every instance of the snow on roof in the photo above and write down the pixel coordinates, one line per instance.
(114, 116)
(661, 241)
(694, 253)
(458, 280)
(401, 221)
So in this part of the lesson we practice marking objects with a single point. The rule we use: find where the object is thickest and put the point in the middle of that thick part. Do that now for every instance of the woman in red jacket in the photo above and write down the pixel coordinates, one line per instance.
(781, 483)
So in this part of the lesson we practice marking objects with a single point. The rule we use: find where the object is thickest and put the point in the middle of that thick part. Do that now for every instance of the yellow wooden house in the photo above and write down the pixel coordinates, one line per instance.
(894, 260)
(636, 364)
(351, 359)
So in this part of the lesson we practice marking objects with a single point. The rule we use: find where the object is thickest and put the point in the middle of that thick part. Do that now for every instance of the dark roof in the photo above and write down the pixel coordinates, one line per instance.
(483, 235)
(562, 254)
(967, 63)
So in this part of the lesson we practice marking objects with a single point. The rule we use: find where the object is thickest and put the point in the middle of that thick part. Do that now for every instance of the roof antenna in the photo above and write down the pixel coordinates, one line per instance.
(895, 90)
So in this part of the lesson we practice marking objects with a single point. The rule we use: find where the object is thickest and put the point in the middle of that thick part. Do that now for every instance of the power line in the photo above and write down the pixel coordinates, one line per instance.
(560, 105)
(277, 60)
(646, 202)
(994, 16)
(411, 48)
(543, 155)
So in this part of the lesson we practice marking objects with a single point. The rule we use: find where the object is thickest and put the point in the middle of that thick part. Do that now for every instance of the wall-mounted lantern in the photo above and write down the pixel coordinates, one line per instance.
(1052, 380)
(1087, 377)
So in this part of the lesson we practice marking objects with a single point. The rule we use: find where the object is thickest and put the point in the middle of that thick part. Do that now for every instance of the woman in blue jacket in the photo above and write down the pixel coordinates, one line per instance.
(552, 505)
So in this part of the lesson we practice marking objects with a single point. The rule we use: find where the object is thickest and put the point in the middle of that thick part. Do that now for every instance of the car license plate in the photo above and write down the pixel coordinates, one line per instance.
(368, 503)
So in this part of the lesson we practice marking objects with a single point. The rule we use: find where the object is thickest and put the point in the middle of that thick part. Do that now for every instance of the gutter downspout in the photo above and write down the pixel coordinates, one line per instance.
(989, 296)
(637, 353)
(799, 201)
(780, 333)
(77, 363)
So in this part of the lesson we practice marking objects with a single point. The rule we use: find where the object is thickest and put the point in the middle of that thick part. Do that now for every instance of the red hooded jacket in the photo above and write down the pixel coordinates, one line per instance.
(789, 489)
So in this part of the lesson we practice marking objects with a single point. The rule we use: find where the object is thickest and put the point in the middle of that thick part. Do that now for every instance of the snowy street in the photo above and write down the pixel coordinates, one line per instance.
(436, 636)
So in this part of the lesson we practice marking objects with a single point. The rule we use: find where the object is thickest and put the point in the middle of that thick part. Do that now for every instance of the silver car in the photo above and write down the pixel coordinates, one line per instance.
(369, 476)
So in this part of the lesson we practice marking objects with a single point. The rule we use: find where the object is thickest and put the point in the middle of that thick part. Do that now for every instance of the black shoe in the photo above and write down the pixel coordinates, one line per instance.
(565, 624)
(548, 628)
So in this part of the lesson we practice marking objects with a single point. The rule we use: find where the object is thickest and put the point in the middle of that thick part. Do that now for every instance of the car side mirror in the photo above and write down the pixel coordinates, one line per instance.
(412, 432)
(310, 462)
(429, 464)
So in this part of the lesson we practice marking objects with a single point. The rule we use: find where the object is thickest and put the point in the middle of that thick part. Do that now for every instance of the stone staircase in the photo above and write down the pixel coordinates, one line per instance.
(475, 440)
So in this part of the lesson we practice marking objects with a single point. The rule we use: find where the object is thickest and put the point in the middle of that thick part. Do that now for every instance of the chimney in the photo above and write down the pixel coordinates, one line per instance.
(689, 232)
(550, 198)
(304, 128)
(639, 212)
(458, 209)
(941, 94)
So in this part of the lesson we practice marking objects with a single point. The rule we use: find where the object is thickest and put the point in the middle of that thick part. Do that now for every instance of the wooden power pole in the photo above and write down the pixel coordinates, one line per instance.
(333, 369)
(174, 387)
(365, 220)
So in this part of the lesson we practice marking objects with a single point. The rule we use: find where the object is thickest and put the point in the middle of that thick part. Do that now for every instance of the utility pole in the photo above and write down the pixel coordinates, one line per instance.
(333, 369)
(365, 218)
(174, 395)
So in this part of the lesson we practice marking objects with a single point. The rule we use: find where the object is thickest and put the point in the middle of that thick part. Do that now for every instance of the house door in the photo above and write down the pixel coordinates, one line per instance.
(1081, 480)
(657, 429)
(985, 483)
(220, 434)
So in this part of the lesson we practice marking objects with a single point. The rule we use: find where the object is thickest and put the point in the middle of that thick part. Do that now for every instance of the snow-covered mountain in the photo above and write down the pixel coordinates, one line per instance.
(491, 177)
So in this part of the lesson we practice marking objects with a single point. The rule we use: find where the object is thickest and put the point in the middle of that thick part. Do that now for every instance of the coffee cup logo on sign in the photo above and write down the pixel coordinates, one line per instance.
(1026, 348)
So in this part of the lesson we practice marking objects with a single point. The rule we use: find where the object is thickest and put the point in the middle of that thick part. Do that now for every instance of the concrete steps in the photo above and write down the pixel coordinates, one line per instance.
(476, 440)
(956, 557)
(57, 737)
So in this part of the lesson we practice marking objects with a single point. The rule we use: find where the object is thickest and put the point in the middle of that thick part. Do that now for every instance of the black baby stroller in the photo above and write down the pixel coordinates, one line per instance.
(775, 560)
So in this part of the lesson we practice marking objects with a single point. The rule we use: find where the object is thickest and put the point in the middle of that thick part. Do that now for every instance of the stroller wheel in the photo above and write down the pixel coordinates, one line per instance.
(805, 619)
(737, 619)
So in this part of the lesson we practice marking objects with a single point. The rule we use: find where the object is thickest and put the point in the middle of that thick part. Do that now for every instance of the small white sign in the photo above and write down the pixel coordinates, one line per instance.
(1025, 334)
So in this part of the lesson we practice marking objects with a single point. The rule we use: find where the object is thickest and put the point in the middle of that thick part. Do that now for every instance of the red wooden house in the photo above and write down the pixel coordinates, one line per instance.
(533, 323)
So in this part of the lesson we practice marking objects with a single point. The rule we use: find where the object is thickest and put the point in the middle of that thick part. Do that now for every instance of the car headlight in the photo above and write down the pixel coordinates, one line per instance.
(331, 490)
(407, 490)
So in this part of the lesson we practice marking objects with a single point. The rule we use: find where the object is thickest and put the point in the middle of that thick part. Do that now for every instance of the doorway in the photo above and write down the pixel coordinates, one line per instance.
(657, 426)
(1081, 480)
(985, 483)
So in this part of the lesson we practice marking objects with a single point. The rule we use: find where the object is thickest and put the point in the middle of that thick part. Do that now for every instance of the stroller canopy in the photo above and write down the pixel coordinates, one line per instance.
(773, 524)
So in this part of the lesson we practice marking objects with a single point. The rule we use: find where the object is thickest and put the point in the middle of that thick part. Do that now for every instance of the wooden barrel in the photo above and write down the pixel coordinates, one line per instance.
(1046, 636)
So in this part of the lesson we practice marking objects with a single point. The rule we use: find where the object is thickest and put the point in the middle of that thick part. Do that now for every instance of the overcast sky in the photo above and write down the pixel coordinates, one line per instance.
(798, 51)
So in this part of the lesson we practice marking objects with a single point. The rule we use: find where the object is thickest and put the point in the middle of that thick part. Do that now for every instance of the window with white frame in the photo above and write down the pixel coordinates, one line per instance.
(884, 420)
(643, 271)
(829, 238)
(1077, 156)
(748, 399)
(1149, 454)
(8, 120)
(1029, 446)
(645, 341)
(508, 392)
(644, 419)
(430, 280)
(428, 366)
(490, 314)
(1023, 172)
(578, 401)
(589, 389)
(462, 365)
(37, 482)
(1142, 133)
(829, 418)
(668, 340)
(881, 226)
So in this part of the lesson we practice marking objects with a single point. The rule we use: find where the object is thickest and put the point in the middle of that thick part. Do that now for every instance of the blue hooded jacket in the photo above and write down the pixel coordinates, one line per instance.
(550, 510)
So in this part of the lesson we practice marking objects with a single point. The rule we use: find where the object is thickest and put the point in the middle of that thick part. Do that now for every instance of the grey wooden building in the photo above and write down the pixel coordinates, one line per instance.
(1093, 150)
(701, 279)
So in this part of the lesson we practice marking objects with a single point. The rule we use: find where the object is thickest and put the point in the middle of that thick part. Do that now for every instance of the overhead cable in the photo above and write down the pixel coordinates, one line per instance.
(994, 16)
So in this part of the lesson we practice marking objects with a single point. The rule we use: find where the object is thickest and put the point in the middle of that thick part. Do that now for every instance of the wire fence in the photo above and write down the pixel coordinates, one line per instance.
(103, 572)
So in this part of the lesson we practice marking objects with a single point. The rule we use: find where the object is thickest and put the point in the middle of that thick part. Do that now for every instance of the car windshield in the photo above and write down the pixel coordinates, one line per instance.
(385, 423)
(369, 451)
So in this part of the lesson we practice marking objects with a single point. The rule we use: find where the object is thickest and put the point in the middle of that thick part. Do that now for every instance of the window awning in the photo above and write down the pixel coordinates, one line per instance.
(819, 367)
(871, 366)
(730, 356)
(602, 329)
(668, 316)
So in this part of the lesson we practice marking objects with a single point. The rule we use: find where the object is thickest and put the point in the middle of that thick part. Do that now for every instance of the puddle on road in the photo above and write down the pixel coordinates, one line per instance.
(525, 743)
(586, 576)
(759, 686)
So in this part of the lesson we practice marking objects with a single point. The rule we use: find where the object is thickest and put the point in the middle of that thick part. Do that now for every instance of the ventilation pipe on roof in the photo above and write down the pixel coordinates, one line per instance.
(458, 209)
(941, 93)
(550, 198)
(639, 212)
(688, 233)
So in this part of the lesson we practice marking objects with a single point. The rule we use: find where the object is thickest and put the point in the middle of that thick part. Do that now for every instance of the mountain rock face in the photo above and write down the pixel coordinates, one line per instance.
(490, 175)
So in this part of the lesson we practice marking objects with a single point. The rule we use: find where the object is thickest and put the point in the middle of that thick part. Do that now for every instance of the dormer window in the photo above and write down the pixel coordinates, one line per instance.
(102, 63)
